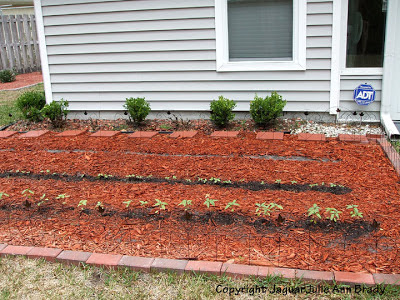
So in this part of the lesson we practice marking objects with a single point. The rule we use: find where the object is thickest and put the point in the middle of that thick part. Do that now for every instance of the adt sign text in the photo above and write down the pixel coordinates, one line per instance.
(364, 94)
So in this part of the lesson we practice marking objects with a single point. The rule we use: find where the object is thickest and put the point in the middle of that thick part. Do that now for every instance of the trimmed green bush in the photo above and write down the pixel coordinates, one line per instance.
(57, 112)
(7, 76)
(265, 110)
(138, 109)
(30, 104)
(221, 111)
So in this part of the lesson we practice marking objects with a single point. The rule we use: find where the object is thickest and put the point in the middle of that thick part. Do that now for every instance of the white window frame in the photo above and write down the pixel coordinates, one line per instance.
(299, 43)
(343, 69)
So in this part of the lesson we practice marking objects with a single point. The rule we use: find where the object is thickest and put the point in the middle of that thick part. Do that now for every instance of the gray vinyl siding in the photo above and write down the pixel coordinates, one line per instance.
(347, 86)
(101, 52)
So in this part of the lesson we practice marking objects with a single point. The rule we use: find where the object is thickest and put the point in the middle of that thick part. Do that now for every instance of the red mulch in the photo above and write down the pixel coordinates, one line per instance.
(22, 80)
(227, 235)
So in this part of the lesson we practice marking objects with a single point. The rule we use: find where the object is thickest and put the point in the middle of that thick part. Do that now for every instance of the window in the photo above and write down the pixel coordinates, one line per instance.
(366, 33)
(260, 29)
(258, 35)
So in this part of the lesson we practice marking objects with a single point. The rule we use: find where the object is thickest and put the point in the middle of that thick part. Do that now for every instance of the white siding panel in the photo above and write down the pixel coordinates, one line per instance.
(320, 7)
(126, 16)
(320, 30)
(125, 57)
(183, 96)
(319, 19)
(134, 67)
(105, 6)
(319, 41)
(190, 86)
(168, 35)
(133, 26)
(116, 48)
(102, 52)
(188, 76)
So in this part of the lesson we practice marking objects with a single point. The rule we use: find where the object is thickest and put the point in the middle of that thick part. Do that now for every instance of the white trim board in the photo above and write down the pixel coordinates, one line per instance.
(43, 51)
(299, 43)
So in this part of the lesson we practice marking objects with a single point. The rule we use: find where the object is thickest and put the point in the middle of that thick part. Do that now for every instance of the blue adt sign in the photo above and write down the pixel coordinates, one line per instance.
(364, 94)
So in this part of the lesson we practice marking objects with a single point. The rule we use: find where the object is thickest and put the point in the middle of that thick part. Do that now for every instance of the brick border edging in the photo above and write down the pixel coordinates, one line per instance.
(149, 264)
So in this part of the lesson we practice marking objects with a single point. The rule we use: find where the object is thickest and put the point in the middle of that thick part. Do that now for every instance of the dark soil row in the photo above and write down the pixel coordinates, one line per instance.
(252, 185)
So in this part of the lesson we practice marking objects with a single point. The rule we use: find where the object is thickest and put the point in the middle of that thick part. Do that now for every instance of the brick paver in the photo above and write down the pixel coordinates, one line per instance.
(270, 136)
(319, 276)
(15, 250)
(105, 133)
(354, 278)
(73, 257)
(272, 271)
(143, 134)
(311, 137)
(239, 271)
(104, 260)
(353, 138)
(169, 265)
(33, 134)
(6, 134)
(68, 133)
(49, 254)
(387, 279)
(183, 134)
(136, 263)
(204, 267)
(225, 134)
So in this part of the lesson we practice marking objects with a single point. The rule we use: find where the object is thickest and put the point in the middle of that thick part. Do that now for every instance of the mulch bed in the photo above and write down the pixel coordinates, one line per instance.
(22, 80)
(173, 167)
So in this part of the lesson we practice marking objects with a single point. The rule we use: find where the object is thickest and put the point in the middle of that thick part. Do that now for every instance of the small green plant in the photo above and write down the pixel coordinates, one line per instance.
(313, 213)
(332, 185)
(7, 76)
(186, 204)
(138, 109)
(82, 203)
(231, 205)
(143, 203)
(293, 182)
(209, 202)
(31, 104)
(267, 209)
(103, 176)
(28, 193)
(165, 127)
(3, 194)
(278, 181)
(63, 196)
(222, 111)
(265, 110)
(203, 180)
(160, 205)
(354, 213)
(127, 203)
(43, 200)
(333, 214)
(57, 112)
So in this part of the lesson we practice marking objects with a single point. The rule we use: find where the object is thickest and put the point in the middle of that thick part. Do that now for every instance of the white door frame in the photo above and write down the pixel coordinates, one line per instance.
(390, 104)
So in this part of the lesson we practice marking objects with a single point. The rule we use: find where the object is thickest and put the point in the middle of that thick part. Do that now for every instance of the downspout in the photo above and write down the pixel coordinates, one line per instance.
(389, 70)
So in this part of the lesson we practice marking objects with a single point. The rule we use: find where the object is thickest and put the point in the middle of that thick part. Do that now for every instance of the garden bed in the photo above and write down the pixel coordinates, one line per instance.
(291, 173)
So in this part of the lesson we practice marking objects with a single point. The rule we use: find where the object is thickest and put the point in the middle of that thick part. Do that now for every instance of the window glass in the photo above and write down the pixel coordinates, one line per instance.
(366, 33)
(260, 30)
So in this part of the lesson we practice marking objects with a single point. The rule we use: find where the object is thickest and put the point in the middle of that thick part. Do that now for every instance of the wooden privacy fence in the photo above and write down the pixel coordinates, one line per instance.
(19, 47)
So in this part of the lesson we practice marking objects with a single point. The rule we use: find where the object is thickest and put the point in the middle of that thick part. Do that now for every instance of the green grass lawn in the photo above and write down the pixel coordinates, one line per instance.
(7, 104)
(22, 278)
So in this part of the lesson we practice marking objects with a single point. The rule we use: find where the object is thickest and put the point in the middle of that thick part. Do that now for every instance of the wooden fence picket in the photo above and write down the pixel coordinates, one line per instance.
(19, 47)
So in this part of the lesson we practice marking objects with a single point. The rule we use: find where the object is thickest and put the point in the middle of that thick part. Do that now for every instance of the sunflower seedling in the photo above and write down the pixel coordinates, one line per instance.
(209, 202)
(267, 209)
(82, 203)
(231, 205)
(313, 213)
(334, 214)
(354, 213)
(159, 205)
(29, 194)
(186, 204)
